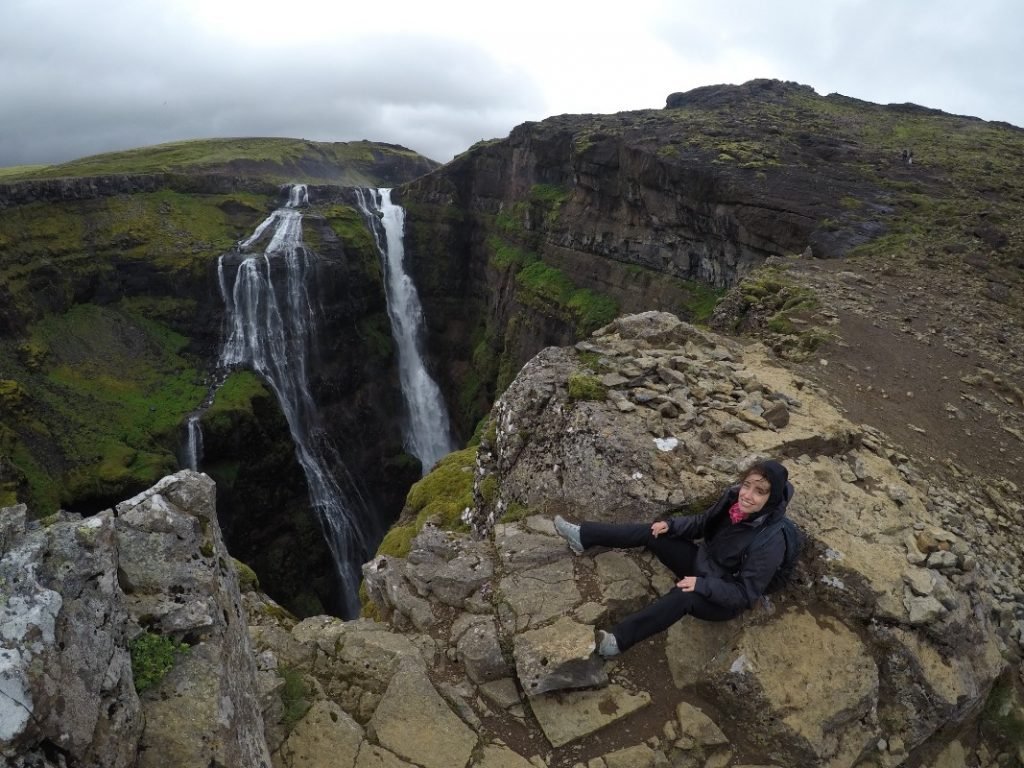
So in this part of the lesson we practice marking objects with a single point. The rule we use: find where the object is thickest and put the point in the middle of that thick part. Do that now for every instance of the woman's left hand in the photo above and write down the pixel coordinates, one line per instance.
(687, 584)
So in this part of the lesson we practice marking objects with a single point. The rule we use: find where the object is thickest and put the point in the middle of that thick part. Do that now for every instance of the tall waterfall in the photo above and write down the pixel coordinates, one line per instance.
(427, 428)
(271, 329)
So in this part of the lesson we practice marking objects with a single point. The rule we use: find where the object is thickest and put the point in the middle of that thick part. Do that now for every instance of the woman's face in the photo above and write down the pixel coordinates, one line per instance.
(754, 492)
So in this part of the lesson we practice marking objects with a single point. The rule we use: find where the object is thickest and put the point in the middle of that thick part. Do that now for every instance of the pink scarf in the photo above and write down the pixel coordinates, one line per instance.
(735, 514)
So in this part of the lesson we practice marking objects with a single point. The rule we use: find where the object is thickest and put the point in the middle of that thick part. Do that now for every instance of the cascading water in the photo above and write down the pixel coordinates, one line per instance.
(427, 428)
(193, 442)
(271, 329)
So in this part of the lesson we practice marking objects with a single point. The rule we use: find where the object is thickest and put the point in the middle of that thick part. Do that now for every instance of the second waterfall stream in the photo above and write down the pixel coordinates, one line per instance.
(426, 425)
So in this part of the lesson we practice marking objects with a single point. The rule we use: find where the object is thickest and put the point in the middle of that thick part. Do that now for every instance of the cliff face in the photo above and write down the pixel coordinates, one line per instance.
(649, 209)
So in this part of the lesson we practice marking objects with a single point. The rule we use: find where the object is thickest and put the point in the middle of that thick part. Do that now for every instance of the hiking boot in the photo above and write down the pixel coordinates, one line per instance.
(570, 532)
(607, 645)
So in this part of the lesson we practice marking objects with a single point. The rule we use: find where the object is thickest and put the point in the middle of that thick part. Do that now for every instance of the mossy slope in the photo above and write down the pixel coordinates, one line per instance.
(355, 163)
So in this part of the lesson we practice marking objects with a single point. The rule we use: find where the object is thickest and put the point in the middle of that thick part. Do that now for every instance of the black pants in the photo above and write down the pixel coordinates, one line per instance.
(679, 556)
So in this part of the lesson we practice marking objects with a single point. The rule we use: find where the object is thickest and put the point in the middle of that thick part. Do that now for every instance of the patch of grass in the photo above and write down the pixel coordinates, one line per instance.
(439, 497)
(506, 254)
(153, 656)
(348, 224)
(583, 386)
(279, 159)
(1002, 720)
(108, 397)
(398, 540)
(445, 492)
(295, 696)
(543, 286)
(375, 333)
(516, 512)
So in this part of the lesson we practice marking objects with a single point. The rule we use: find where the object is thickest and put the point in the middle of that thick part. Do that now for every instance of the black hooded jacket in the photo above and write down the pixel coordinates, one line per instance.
(728, 571)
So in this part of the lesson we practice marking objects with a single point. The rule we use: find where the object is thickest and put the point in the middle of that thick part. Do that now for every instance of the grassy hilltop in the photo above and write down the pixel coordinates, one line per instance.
(283, 160)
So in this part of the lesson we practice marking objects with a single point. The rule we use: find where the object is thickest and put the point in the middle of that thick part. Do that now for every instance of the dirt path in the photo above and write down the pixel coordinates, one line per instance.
(932, 358)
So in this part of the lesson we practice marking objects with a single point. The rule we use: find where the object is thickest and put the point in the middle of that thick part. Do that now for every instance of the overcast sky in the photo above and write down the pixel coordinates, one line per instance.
(81, 77)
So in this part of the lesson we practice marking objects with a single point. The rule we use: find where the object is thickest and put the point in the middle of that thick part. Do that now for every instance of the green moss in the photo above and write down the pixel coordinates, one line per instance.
(367, 608)
(248, 581)
(583, 386)
(445, 492)
(1002, 720)
(153, 656)
(546, 287)
(505, 254)
(108, 397)
(348, 224)
(295, 696)
(489, 489)
(439, 497)
(398, 540)
(375, 336)
(279, 159)
(516, 512)
(233, 402)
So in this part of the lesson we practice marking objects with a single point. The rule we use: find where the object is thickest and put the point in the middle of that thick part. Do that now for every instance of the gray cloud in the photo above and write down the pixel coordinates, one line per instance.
(81, 78)
(85, 82)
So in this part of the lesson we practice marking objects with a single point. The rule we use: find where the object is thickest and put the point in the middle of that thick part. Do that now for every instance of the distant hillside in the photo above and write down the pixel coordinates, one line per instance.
(351, 163)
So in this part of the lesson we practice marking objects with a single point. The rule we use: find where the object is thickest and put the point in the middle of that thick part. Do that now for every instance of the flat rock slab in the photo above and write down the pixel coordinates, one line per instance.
(570, 715)
(414, 722)
(325, 738)
(557, 657)
(541, 594)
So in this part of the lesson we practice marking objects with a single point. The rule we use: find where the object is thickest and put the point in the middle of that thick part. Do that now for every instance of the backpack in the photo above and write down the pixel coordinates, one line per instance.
(794, 539)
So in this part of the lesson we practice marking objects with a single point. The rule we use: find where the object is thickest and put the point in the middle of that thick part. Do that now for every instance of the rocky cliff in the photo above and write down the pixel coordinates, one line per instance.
(890, 647)
(545, 235)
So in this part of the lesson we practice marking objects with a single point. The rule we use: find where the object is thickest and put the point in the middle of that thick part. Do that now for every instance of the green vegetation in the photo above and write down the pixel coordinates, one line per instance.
(348, 224)
(153, 656)
(1002, 720)
(440, 497)
(248, 581)
(276, 159)
(109, 388)
(545, 287)
(769, 300)
(295, 696)
(516, 512)
(51, 248)
(583, 386)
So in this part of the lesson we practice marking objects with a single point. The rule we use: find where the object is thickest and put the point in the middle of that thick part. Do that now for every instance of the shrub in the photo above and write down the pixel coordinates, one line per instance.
(152, 658)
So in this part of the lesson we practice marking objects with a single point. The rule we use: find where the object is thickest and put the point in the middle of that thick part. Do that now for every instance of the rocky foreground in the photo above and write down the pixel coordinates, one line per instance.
(903, 617)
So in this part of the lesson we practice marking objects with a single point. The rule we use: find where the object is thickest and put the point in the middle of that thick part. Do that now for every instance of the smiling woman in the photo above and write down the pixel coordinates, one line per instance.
(742, 546)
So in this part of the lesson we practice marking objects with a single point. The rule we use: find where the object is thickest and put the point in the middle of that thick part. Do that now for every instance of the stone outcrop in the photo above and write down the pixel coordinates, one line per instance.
(881, 648)
(879, 640)
(78, 591)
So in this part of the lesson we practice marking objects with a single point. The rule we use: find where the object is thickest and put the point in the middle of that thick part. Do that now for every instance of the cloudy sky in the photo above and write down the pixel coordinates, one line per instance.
(86, 77)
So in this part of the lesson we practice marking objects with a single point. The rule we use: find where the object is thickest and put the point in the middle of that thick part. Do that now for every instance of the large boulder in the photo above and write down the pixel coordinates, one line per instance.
(81, 591)
(65, 670)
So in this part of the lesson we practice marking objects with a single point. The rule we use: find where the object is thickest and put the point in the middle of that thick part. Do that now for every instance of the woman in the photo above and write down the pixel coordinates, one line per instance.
(720, 577)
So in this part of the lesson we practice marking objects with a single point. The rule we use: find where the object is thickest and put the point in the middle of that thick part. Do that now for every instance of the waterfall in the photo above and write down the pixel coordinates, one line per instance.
(427, 431)
(271, 326)
(193, 441)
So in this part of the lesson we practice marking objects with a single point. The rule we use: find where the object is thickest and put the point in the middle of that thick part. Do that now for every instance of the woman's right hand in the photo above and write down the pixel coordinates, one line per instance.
(659, 527)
